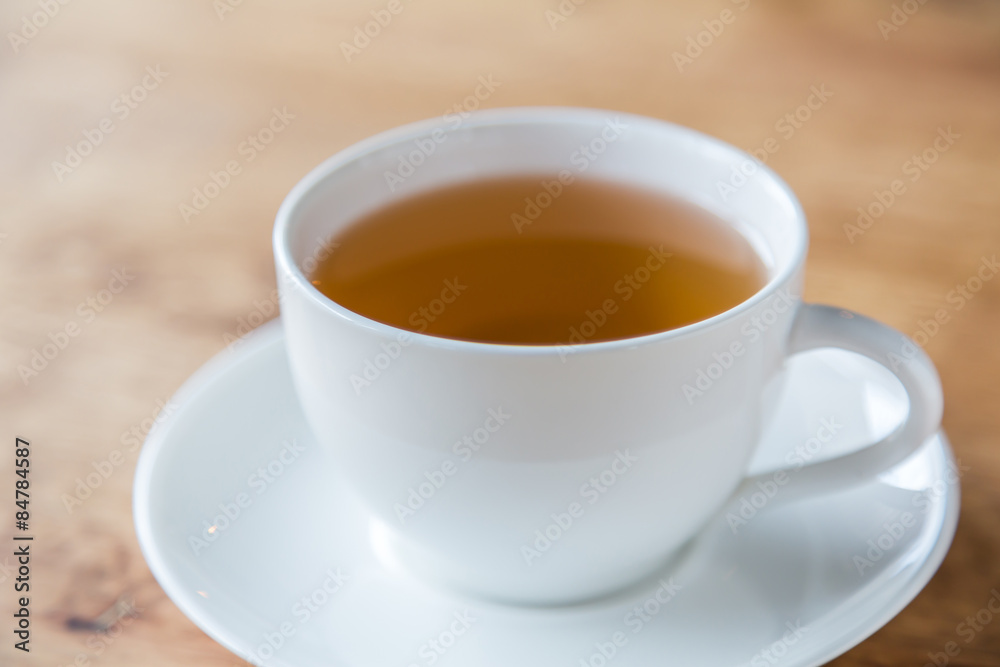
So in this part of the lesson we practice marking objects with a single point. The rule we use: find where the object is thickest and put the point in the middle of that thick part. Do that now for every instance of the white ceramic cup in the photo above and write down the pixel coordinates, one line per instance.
(550, 474)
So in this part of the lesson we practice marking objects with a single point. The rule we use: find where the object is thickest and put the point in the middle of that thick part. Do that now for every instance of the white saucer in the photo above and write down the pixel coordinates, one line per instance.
(734, 596)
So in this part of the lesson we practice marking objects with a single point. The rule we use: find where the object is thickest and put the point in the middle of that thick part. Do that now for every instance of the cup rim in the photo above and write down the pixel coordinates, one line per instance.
(286, 217)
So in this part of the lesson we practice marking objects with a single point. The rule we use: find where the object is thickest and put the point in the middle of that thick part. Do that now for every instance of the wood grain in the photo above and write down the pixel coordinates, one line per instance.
(62, 235)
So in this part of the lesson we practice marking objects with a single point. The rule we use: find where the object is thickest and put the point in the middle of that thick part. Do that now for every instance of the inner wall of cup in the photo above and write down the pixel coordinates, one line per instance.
(637, 151)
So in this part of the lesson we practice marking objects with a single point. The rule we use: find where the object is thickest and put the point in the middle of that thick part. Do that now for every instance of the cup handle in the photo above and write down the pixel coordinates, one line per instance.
(818, 326)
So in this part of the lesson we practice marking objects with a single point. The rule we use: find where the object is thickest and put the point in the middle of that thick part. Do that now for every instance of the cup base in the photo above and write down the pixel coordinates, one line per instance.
(398, 555)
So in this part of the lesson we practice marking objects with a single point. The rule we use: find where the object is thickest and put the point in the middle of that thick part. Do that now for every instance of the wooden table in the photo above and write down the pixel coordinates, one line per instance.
(157, 96)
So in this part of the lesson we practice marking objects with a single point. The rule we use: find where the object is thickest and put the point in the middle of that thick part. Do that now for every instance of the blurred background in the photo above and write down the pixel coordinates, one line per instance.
(117, 121)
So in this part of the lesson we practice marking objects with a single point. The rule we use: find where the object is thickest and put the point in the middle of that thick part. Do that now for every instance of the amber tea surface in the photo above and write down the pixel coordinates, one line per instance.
(537, 261)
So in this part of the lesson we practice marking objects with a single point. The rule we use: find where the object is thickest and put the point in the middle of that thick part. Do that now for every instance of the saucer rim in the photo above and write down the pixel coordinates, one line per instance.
(272, 333)
(252, 344)
(932, 562)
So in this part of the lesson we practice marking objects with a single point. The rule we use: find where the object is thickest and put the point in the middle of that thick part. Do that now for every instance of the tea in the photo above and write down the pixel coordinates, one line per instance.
(520, 261)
